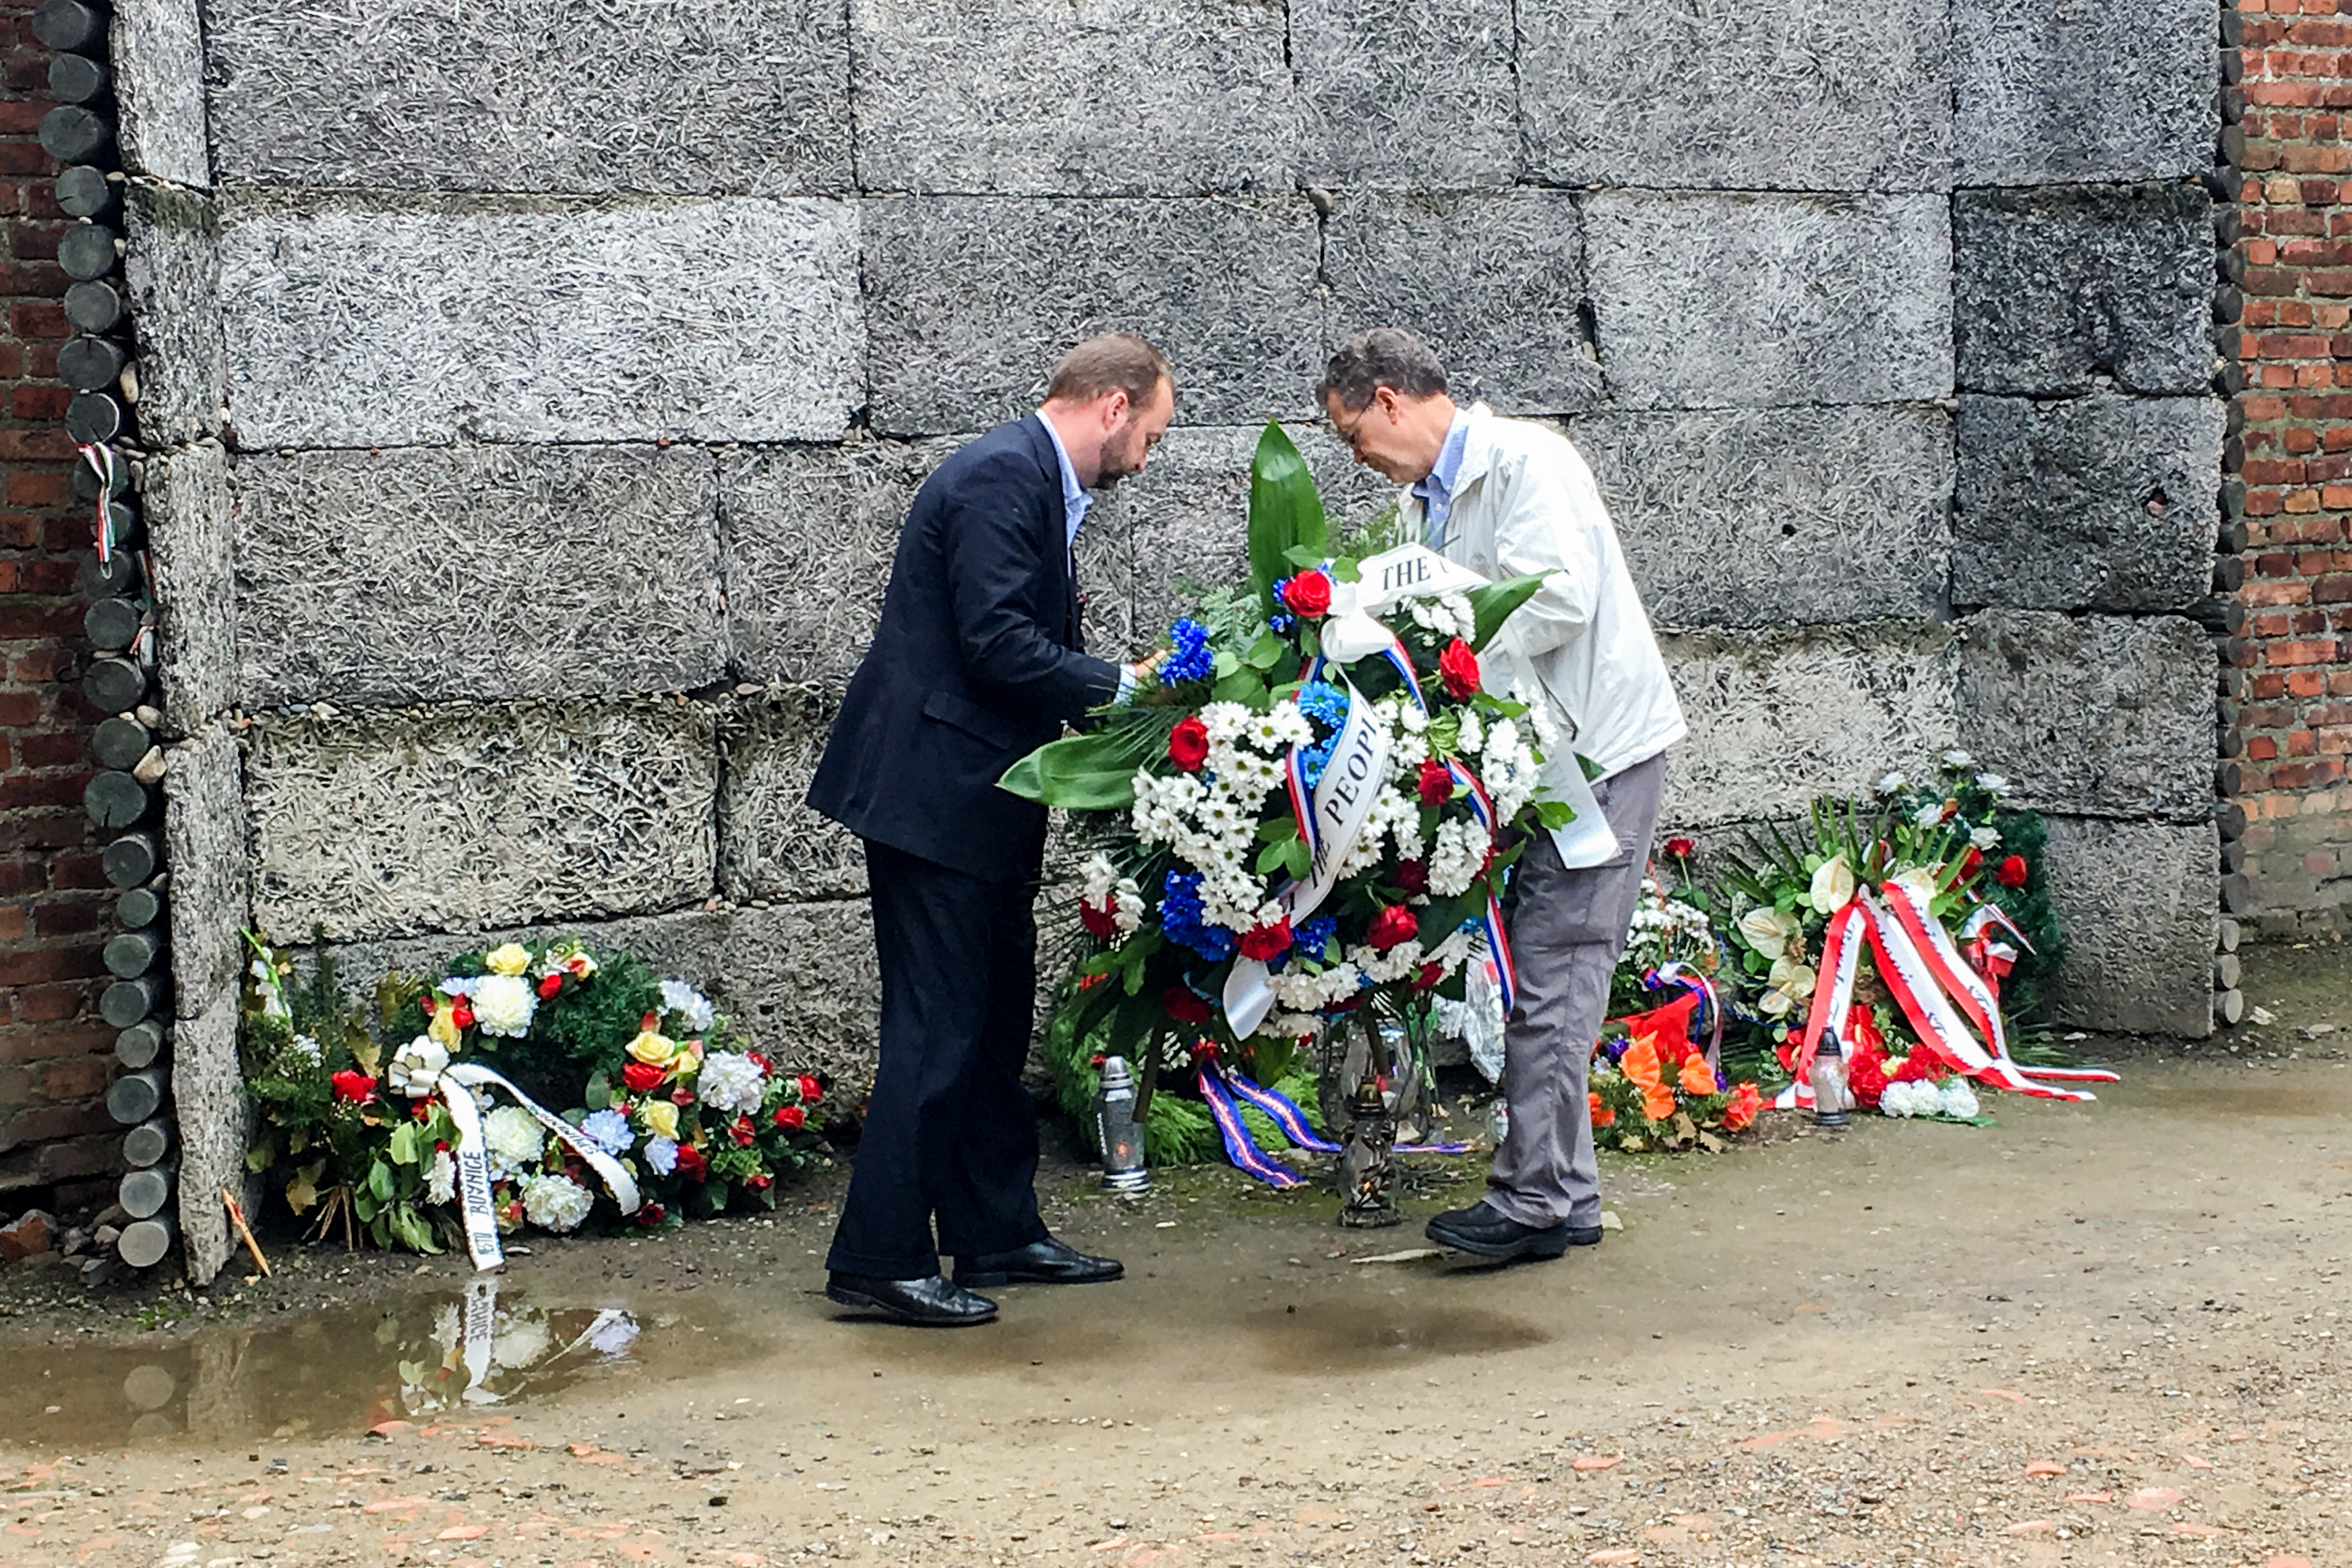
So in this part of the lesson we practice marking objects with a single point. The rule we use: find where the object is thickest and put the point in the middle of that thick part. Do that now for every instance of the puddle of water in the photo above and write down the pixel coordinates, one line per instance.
(1350, 1336)
(412, 1357)
(2224, 1100)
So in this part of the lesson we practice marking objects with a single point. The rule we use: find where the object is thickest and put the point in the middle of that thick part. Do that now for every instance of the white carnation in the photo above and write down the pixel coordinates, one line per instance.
(731, 1083)
(1955, 1097)
(514, 1137)
(692, 1008)
(1458, 857)
(556, 1202)
(441, 1180)
(504, 1005)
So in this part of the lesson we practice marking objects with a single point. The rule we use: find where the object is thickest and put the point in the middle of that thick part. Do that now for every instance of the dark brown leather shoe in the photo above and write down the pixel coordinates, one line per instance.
(1482, 1231)
(1046, 1262)
(932, 1302)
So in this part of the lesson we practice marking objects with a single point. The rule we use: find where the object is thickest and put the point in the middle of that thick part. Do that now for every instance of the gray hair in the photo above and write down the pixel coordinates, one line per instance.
(1382, 356)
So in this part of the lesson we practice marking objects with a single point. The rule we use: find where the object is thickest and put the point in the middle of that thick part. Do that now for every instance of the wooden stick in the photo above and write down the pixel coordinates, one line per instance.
(237, 1218)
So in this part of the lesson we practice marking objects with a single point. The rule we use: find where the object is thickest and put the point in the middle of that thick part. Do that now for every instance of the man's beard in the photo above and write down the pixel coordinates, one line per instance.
(1114, 462)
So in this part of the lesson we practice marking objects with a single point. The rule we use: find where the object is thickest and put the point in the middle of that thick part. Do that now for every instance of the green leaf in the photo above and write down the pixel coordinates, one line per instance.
(1285, 513)
(1306, 558)
(1491, 605)
(1297, 858)
(1270, 857)
(1555, 814)
(1244, 687)
(401, 1145)
(1266, 652)
(379, 1181)
(1093, 771)
(599, 1093)
(1224, 663)
(1345, 569)
(1278, 829)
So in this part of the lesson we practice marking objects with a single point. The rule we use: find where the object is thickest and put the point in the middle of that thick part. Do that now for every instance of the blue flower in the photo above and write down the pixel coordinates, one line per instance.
(608, 1130)
(661, 1153)
(1188, 657)
(1323, 702)
(1180, 918)
(1312, 761)
(1315, 938)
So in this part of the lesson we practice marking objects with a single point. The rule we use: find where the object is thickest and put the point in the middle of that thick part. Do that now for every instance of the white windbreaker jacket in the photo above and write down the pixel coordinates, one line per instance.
(1524, 502)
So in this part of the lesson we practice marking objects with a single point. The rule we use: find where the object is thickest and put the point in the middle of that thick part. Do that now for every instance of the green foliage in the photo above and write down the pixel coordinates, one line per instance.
(1286, 514)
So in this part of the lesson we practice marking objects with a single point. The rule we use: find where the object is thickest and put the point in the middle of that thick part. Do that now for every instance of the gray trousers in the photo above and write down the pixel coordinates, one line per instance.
(1567, 930)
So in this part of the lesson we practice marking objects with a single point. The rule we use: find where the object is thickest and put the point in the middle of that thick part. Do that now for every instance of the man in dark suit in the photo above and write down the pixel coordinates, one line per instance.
(978, 660)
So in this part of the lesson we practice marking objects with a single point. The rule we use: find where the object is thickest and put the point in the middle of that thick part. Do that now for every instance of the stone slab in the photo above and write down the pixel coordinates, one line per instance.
(770, 845)
(185, 503)
(667, 97)
(970, 302)
(2138, 904)
(1493, 282)
(171, 269)
(1778, 718)
(1774, 516)
(2099, 716)
(157, 50)
(1105, 98)
(1785, 95)
(2098, 503)
(799, 979)
(2056, 290)
(807, 536)
(209, 861)
(214, 1117)
(1423, 97)
(2082, 90)
(361, 324)
(477, 573)
(1742, 301)
(454, 817)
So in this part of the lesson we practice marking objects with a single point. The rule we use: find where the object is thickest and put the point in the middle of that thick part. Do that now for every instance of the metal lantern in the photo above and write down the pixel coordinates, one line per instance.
(1832, 1098)
(1120, 1134)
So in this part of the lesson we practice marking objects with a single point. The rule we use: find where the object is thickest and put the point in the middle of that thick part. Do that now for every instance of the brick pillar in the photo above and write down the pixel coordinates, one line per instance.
(2289, 256)
(55, 1054)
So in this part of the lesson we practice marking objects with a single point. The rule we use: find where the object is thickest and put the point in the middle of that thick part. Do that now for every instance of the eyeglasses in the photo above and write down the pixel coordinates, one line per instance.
(1352, 433)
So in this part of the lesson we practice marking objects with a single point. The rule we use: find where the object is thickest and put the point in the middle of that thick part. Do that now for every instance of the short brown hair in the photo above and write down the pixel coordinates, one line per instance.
(1382, 356)
(1115, 362)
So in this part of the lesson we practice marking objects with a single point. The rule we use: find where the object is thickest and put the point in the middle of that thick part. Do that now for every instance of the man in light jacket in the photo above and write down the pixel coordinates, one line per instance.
(1507, 497)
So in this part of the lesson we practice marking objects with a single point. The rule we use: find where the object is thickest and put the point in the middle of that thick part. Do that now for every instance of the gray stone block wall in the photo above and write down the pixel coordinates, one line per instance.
(1395, 96)
(159, 90)
(172, 274)
(2082, 90)
(191, 530)
(2137, 901)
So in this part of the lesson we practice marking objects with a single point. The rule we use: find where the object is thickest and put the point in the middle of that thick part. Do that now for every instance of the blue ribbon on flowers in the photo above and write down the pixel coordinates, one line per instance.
(1222, 1088)
(1676, 974)
(1507, 973)
(1240, 1147)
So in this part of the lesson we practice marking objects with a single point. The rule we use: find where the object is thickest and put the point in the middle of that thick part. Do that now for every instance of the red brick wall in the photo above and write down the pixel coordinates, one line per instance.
(2289, 257)
(55, 1054)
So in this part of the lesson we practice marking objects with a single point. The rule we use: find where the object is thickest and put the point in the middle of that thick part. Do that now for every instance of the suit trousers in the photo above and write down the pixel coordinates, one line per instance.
(1567, 930)
(951, 1134)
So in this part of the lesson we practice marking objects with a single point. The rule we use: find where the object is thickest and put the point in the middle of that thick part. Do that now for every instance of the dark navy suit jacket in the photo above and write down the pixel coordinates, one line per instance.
(978, 660)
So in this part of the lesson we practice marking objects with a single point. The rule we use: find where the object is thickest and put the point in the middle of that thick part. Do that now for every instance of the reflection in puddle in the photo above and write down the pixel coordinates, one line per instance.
(412, 1358)
(1348, 1337)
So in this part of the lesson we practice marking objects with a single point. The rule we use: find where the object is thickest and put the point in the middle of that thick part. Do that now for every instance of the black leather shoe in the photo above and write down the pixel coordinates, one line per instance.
(1046, 1262)
(1483, 1232)
(931, 1302)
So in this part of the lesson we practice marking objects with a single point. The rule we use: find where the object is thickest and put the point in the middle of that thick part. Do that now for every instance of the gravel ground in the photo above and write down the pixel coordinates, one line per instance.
(2105, 1333)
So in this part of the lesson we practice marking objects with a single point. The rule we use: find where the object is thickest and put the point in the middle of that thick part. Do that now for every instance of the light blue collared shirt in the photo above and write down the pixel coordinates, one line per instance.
(1436, 492)
(1074, 499)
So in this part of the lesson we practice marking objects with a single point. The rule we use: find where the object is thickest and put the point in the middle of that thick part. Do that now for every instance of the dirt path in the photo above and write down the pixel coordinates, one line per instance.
(2098, 1334)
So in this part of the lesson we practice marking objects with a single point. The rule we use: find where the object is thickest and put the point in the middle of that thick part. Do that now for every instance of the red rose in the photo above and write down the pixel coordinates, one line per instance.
(651, 1214)
(462, 1015)
(1309, 595)
(642, 1077)
(1393, 925)
(1431, 973)
(692, 1163)
(810, 1090)
(426, 1002)
(355, 1087)
(1188, 744)
(1969, 862)
(1098, 920)
(790, 1118)
(1267, 942)
(1435, 782)
(740, 1130)
(1180, 1002)
(759, 1180)
(2012, 873)
(550, 985)
(1681, 848)
(649, 1024)
(1412, 876)
(1459, 667)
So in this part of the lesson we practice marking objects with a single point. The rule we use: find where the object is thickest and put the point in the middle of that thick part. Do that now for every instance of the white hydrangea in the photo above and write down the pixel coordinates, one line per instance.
(504, 1005)
(691, 1007)
(513, 1137)
(731, 1083)
(556, 1202)
(1956, 1098)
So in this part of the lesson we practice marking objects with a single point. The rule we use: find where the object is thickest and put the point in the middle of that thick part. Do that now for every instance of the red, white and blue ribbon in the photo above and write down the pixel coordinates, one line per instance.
(1226, 1091)
(1677, 974)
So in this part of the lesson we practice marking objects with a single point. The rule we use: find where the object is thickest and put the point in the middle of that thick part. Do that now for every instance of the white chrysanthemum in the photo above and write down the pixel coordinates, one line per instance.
(1955, 1097)
(1097, 877)
(1457, 857)
(1225, 722)
(556, 1202)
(504, 1005)
(1127, 914)
(693, 1009)
(513, 1137)
(441, 1179)
(1471, 735)
(731, 1083)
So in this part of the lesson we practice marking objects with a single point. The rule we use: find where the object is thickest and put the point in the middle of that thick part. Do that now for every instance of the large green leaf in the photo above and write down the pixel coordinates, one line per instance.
(1491, 605)
(1093, 771)
(1285, 513)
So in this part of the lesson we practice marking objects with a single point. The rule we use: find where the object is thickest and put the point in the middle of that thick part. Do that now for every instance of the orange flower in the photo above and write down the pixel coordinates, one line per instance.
(1741, 1113)
(1658, 1102)
(1602, 1115)
(1640, 1062)
(1697, 1077)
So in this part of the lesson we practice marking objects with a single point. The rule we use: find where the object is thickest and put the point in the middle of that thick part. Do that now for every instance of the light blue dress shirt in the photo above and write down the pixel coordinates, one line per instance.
(1074, 499)
(1436, 492)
